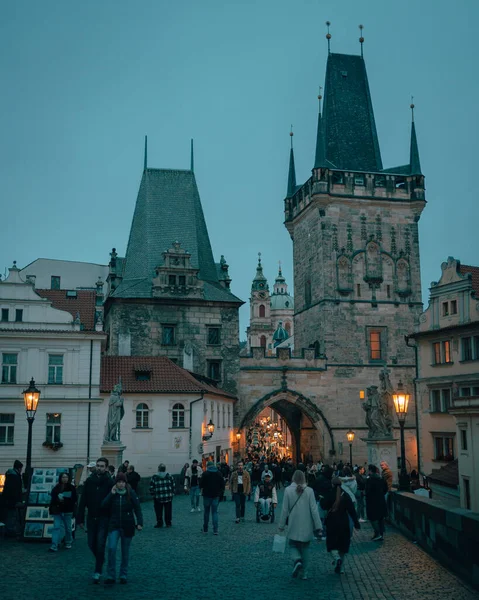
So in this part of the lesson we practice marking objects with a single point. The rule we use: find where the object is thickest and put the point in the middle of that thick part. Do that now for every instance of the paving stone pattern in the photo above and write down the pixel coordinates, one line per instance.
(183, 563)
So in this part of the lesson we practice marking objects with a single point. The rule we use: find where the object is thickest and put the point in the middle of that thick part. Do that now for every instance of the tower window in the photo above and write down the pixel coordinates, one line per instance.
(307, 293)
(214, 338)
(262, 310)
(171, 279)
(263, 341)
(182, 280)
(214, 369)
(168, 335)
(375, 345)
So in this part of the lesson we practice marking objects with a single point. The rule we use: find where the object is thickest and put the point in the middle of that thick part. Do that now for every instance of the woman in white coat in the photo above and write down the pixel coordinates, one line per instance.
(301, 511)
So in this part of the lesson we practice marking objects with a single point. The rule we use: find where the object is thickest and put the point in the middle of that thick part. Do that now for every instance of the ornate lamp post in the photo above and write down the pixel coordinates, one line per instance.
(350, 435)
(211, 429)
(31, 397)
(401, 403)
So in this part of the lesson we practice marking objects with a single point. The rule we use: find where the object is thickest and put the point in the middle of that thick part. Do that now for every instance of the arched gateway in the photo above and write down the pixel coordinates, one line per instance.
(311, 433)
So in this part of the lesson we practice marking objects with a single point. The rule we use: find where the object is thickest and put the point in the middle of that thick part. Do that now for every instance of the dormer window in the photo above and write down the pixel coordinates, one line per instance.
(143, 374)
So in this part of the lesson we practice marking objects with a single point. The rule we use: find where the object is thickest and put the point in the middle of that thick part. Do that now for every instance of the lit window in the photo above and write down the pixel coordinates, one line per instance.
(55, 369)
(9, 368)
(446, 347)
(178, 416)
(7, 426)
(436, 347)
(142, 416)
(54, 421)
(375, 345)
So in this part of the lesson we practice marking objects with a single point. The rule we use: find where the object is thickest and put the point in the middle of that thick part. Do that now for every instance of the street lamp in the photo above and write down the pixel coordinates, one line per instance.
(211, 429)
(401, 403)
(31, 396)
(350, 436)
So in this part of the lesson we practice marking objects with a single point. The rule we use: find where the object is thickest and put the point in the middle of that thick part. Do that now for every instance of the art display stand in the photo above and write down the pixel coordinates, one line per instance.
(38, 521)
(113, 451)
(380, 449)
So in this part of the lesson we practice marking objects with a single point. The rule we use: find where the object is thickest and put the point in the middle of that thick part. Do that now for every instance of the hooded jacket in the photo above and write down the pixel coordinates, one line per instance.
(162, 486)
(212, 483)
(12, 492)
(350, 485)
(122, 507)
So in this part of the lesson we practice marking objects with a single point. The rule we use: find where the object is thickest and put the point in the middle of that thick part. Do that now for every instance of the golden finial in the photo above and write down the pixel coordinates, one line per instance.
(361, 38)
(328, 36)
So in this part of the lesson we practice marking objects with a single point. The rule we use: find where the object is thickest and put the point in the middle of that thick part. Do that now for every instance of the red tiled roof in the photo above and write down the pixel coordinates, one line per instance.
(25, 330)
(165, 376)
(463, 269)
(84, 303)
(447, 475)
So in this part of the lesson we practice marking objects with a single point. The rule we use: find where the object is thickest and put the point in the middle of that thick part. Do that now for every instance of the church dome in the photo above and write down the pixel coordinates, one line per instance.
(281, 302)
(280, 334)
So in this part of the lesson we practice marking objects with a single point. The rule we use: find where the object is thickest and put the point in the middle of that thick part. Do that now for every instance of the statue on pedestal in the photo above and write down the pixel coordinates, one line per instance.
(378, 417)
(115, 415)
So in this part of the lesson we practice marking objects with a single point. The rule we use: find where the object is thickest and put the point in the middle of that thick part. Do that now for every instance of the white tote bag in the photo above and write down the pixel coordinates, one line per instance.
(279, 543)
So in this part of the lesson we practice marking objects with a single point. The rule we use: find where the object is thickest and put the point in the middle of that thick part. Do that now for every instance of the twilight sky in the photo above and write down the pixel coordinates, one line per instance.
(83, 82)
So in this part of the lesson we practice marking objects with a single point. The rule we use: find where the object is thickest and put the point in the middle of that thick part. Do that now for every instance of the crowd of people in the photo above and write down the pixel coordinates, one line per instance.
(320, 501)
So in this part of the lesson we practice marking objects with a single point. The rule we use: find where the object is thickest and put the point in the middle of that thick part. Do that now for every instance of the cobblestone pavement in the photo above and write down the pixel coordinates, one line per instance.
(183, 563)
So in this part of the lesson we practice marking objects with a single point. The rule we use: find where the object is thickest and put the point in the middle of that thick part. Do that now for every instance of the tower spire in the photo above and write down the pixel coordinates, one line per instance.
(192, 159)
(414, 162)
(145, 160)
(320, 158)
(292, 170)
(328, 37)
(361, 38)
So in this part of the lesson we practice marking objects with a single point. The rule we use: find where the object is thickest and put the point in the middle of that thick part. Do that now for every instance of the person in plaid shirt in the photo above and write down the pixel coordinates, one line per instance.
(162, 488)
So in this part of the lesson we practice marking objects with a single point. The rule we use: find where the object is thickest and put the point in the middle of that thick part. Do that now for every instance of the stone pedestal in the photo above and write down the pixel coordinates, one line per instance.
(380, 449)
(113, 451)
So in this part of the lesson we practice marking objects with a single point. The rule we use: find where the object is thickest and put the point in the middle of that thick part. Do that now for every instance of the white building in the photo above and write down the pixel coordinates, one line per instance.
(61, 350)
(52, 274)
(167, 410)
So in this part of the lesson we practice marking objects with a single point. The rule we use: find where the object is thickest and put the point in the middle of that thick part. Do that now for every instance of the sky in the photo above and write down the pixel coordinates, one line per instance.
(83, 82)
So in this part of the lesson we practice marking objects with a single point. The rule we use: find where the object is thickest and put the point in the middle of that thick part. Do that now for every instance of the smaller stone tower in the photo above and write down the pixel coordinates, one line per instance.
(282, 305)
(260, 330)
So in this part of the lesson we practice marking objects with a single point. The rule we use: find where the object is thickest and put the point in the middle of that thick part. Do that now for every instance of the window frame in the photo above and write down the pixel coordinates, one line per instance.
(5, 312)
(381, 344)
(54, 278)
(56, 369)
(440, 439)
(171, 280)
(463, 439)
(164, 328)
(142, 411)
(53, 428)
(9, 426)
(9, 367)
(209, 364)
(19, 315)
(210, 329)
(466, 348)
(178, 416)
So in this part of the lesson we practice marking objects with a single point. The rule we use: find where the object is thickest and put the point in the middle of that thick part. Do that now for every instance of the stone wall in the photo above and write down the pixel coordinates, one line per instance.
(450, 535)
(144, 324)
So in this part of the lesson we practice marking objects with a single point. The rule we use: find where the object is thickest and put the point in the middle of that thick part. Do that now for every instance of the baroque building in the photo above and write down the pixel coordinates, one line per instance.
(271, 315)
(167, 296)
(354, 226)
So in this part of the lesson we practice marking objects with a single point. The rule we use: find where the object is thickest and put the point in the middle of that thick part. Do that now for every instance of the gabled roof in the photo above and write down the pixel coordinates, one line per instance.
(464, 269)
(83, 303)
(165, 376)
(348, 126)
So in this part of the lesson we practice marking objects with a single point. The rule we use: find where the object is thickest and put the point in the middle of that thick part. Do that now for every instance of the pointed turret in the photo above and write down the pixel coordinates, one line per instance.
(192, 163)
(320, 158)
(145, 159)
(259, 282)
(292, 171)
(414, 163)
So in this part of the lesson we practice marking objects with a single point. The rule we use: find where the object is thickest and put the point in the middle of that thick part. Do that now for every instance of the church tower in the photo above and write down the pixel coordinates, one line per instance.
(260, 330)
(354, 226)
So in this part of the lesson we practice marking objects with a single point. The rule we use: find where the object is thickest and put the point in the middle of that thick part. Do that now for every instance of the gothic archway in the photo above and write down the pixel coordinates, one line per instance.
(293, 406)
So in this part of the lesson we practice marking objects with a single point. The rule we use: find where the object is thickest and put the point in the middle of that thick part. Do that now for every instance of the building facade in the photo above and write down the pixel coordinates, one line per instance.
(60, 349)
(271, 315)
(448, 383)
(354, 227)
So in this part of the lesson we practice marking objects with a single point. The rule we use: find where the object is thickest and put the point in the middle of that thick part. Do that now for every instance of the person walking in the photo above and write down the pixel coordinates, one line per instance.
(124, 467)
(376, 508)
(301, 513)
(361, 481)
(240, 487)
(62, 506)
(121, 503)
(192, 484)
(340, 509)
(12, 495)
(162, 488)
(96, 489)
(321, 487)
(133, 478)
(212, 484)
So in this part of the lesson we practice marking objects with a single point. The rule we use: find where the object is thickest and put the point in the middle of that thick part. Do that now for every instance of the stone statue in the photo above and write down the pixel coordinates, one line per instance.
(378, 421)
(115, 415)
(386, 392)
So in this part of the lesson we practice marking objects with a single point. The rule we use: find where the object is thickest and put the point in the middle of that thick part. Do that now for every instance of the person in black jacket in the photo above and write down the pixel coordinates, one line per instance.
(212, 484)
(122, 505)
(12, 495)
(96, 489)
(322, 486)
(133, 478)
(376, 508)
(62, 505)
